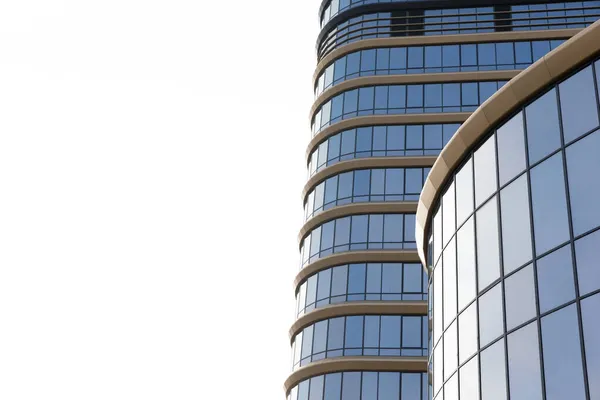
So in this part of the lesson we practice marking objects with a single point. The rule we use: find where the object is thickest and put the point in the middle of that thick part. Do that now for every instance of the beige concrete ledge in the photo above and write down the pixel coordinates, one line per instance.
(358, 308)
(543, 73)
(359, 256)
(375, 120)
(365, 163)
(440, 77)
(440, 39)
(341, 364)
(383, 207)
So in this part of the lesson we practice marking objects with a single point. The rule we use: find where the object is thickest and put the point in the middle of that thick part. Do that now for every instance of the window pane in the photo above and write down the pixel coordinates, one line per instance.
(392, 278)
(488, 253)
(562, 355)
(411, 387)
(555, 279)
(516, 226)
(588, 271)
(451, 388)
(449, 283)
(354, 332)
(491, 323)
(582, 164)
(335, 334)
(578, 104)
(548, 197)
(511, 148)
(450, 350)
(333, 383)
(519, 297)
(543, 129)
(369, 385)
(371, 331)
(464, 192)
(493, 372)
(485, 171)
(467, 326)
(591, 333)
(466, 264)
(448, 223)
(524, 364)
(316, 388)
(351, 386)
(469, 380)
(390, 332)
(389, 386)
(411, 331)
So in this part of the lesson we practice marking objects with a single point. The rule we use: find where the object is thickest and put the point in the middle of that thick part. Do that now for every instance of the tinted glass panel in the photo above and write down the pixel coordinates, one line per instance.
(548, 197)
(591, 332)
(519, 297)
(555, 279)
(488, 253)
(578, 104)
(582, 158)
(588, 266)
(562, 355)
(516, 227)
(493, 372)
(485, 171)
(511, 148)
(490, 315)
(524, 364)
(543, 129)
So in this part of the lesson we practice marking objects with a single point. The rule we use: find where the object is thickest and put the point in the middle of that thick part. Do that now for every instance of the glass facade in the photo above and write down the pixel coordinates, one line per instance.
(381, 141)
(403, 99)
(434, 59)
(362, 282)
(512, 279)
(426, 22)
(362, 386)
(365, 185)
(361, 335)
(359, 232)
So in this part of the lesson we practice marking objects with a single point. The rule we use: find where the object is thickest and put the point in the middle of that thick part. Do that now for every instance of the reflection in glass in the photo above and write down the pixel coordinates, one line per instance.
(485, 171)
(493, 372)
(543, 129)
(519, 297)
(467, 326)
(466, 264)
(448, 208)
(524, 364)
(555, 279)
(490, 315)
(591, 332)
(450, 350)
(584, 191)
(464, 192)
(562, 355)
(548, 198)
(449, 283)
(588, 270)
(469, 380)
(511, 149)
(516, 227)
(578, 104)
(488, 253)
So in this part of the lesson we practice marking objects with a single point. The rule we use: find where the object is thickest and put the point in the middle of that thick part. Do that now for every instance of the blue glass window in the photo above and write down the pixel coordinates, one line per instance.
(588, 268)
(493, 372)
(524, 364)
(543, 128)
(578, 104)
(562, 355)
(548, 197)
(582, 158)
(511, 149)
(519, 295)
(591, 333)
(491, 324)
(555, 279)
(516, 227)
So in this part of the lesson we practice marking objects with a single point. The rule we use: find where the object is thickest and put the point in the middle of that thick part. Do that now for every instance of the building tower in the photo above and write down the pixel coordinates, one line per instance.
(394, 82)
(513, 237)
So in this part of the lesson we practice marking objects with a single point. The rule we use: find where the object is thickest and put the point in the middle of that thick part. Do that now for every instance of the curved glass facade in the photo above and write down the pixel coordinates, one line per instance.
(434, 59)
(426, 22)
(362, 386)
(334, 7)
(513, 255)
(403, 99)
(381, 141)
(361, 335)
(359, 232)
(362, 282)
(365, 185)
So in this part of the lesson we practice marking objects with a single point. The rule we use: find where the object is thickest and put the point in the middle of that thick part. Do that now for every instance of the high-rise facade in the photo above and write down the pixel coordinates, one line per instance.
(394, 82)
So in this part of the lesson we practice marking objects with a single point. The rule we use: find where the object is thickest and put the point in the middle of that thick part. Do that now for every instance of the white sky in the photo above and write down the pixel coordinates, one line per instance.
(151, 164)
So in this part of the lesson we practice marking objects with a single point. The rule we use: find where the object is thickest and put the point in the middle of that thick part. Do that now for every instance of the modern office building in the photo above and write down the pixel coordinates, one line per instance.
(511, 215)
(394, 82)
